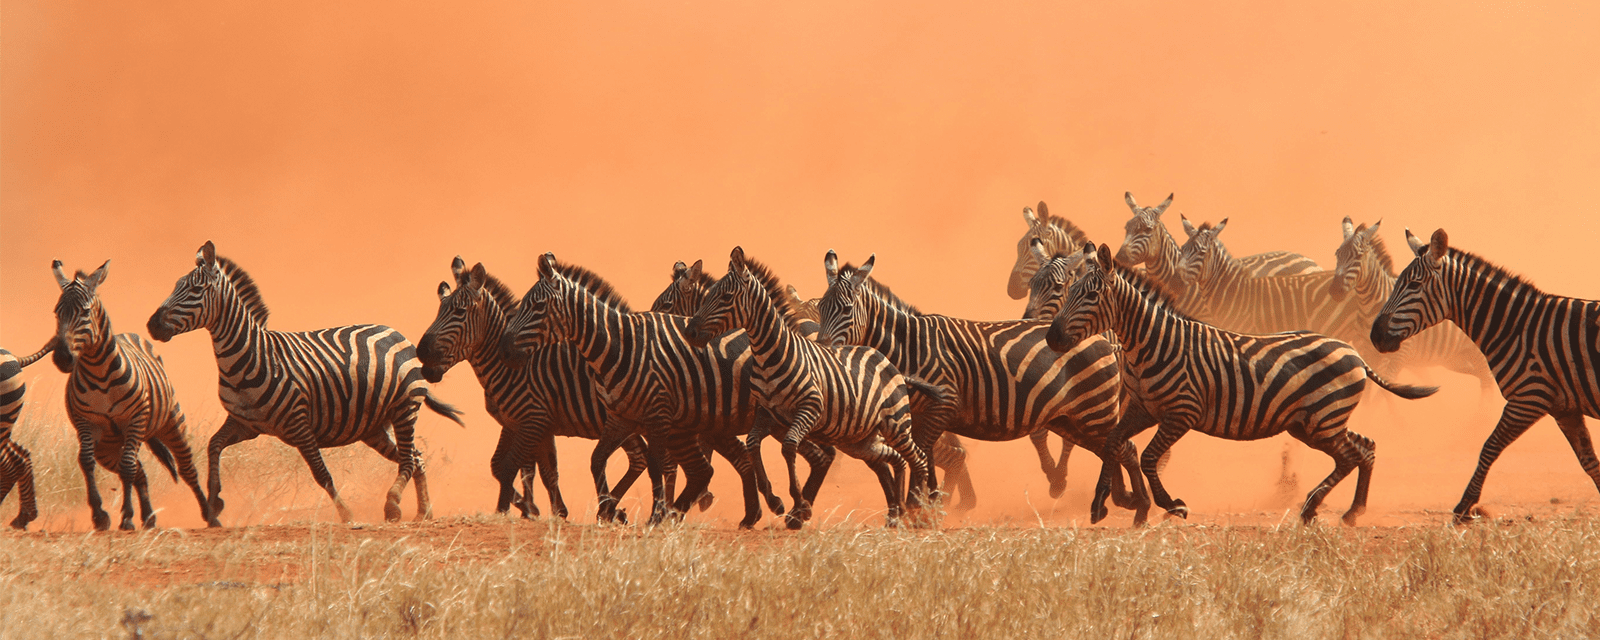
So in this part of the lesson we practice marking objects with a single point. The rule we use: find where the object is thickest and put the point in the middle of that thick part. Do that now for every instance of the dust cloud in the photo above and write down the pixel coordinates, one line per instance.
(344, 154)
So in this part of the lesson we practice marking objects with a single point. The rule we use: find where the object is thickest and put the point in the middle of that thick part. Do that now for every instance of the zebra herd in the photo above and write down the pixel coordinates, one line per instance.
(1174, 336)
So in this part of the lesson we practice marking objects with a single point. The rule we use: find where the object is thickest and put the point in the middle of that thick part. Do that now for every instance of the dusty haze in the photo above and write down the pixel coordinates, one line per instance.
(344, 154)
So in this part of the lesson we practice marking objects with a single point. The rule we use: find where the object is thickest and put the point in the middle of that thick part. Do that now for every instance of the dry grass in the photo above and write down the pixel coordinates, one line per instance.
(489, 576)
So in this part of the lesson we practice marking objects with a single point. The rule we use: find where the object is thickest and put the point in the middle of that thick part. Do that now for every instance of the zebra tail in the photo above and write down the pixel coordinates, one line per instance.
(48, 347)
(944, 399)
(1406, 391)
(442, 408)
(164, 456)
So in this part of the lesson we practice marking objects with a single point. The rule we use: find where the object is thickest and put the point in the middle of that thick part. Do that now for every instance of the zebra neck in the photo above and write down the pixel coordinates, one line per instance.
(605, 338)
(771, 340)
(236, 339)
(908, 341)
(1372, 291)
(1140, 324)
(1490, 309)
(100, 358)
(485, 355)
(1164, 266)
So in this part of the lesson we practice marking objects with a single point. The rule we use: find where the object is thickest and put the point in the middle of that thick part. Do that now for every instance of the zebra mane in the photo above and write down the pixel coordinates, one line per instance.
(595, 285)
(246, 287)
(1151, 289)
(1480, 265)
(880, 290)
(1076, 234)
(775, 292)
(704, 281)
(1380, 251)
(502, 294)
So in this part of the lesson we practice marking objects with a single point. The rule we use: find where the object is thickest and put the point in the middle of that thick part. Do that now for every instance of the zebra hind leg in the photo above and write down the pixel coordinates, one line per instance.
(319, 472)
(734, 451)
(178, 445)
(1369, 454)
(1347, 455)
(405, 423)
(951, 455)
(135, 485)
(386, 447)
(16, 468)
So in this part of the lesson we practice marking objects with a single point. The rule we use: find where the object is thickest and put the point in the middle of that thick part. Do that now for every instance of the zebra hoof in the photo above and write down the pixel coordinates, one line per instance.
(775, 504)
(126, 525)
(706, 500)
(214, 524)
(391, 512)
(622, 516)
(216, 506)
(1179, 509)
(1057, 487)
(102, 520)
(150, 522)
(793, 523)
(1097, 513)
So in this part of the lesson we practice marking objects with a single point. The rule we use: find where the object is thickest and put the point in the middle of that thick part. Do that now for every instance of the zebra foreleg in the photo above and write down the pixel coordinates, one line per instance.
(1515, 419)
(1055, 471)
(820, 458)
(638, 463)
(230, 433)
(949, 454)
(1578, 436)
(410, 467)
(734, 452)
(684, 448)
(504, 471)
(86, 463)
(122, 459)
(551, 477)
(611, 437)
(752, 446)
(800, 424)
(16, 468)
(1166, 435)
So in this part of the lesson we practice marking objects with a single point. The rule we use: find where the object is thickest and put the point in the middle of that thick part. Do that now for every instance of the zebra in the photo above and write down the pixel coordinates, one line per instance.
(848, 397)
(651, 378)
(683, 297)
(1221, 292)
(1147, 242)
(1544, 349)
(1193, 376)
(1007, 383)
(1365, 269)
(119, 399)
(552, 394)
(16, 466)
(311, 389)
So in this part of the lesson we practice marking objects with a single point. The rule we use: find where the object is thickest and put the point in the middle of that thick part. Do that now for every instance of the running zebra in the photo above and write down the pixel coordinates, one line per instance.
(1193, 376)
(1057, 234)
(552, 394)
(1366, 270)
(1147, 242)
(651, 378)
(846, 397)
(312, 389)
(119, 399)
(1007, 383)
(688, 289)
(16, 467)
(1544, 349)
(1223, 293)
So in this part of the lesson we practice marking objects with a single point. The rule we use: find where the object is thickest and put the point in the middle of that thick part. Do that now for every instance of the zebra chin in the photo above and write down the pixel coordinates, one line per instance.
(1061, 339)
(1337, 290)
(1385, 341)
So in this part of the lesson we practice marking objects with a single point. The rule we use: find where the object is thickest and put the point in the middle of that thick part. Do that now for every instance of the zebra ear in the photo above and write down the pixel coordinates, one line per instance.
(1187, 226)
(1416, 243)
(1103, 257)
(1029, 217)
(793, 293)
(1036, 246)
(1348, 227)
(477, 277)
(736, 260)
(830, 264)
(1044, 211)
(458, 267)
(1127, 196)
(207, 255)
(1439, 245)
(99, 276)
(547, 265)
(1220, 226)
(1372, 231)
(677, 270)
(693, 273)
(61, 274)
(444, 289)
(1162, 208)
(865, 270)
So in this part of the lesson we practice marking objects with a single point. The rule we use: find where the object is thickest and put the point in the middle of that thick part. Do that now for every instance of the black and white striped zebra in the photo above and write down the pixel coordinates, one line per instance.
(851, 398)
(551, 394)
(1147, 242)
(16, 466)
(1366, 270)
(119, 399)
(1544, 349)
(311, 389)
(1193, 376)
(683, 297)
(1007, 383)
(1222, 292)
(651, 378)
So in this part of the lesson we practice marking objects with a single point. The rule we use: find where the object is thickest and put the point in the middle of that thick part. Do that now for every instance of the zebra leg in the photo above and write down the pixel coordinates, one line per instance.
(1166, 435)
(504, 472)
(684, 448)
(1054, 471)
(949, 453)
(86, 462)
(1514, 421)
(1369, 453)
(17, 469)
(734, 452)
(638, 463)
(706, 499)
(230, 433)
(611, 437)
(551, 477)
(1346, 454)
(926, 435)
(1578, 436)
(179, 445)
(759, 431)
(319, 472)
(800, 424)
(820, 458)
(385, 447)
(405, 423)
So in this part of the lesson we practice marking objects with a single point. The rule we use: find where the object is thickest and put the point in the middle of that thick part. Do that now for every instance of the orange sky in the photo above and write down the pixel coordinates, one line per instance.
(343, 154)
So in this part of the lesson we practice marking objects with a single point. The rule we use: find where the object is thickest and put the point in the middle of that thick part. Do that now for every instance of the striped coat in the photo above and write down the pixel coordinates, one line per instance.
(1147, 242)
(16, 466)
(311, 389)
(1544, 349)
(1193, 376)
(119, 399)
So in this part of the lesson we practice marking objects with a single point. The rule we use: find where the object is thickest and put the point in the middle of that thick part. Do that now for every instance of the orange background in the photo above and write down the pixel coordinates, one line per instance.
(343, 154)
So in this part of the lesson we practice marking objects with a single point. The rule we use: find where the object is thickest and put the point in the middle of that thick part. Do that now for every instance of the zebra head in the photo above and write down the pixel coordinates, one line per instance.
(462, 325)
(81, 321)
(1358, 262)
(1083, 313)
(726, 305)
(216, 289)
(803, 308)
(1145, 234)
(541, 317)
(1048, 287)
(843, 315)
(1418, 300)
(1202, 256)
(688, 288)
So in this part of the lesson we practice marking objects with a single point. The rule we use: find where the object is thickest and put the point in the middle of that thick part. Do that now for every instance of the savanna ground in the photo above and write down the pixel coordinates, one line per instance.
(282, 570)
